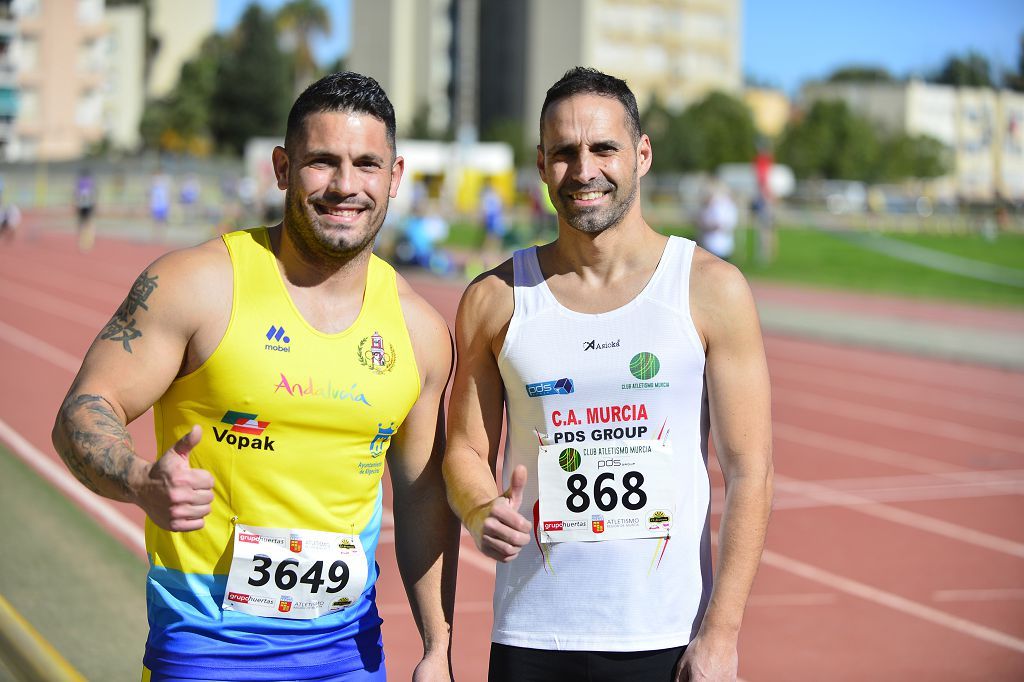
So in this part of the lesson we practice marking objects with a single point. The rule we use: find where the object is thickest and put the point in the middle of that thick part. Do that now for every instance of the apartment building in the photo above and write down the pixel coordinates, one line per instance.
(983, 127)
(677, 50)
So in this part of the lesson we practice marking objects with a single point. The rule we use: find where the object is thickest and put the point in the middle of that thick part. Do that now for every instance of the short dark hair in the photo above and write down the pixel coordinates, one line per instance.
(581, 80)
(342, 91)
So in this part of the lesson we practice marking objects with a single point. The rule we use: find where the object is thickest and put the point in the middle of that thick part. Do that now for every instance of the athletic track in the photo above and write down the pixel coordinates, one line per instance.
(896, 548)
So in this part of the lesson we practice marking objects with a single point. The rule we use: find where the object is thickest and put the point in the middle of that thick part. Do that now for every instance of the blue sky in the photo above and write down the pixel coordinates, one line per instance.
(788, 41)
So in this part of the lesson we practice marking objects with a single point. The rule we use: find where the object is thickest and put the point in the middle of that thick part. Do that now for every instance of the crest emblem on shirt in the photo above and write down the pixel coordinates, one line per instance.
(376, 355)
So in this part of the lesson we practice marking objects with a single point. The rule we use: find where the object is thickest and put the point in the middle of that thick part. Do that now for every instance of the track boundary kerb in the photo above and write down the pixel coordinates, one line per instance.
(27, 653)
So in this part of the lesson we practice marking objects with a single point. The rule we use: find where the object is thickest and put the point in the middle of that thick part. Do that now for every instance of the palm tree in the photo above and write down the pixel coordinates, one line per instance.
(301, 20)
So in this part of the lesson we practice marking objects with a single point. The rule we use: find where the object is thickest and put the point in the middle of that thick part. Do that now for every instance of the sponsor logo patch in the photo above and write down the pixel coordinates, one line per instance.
(278, 340)
(562, 386)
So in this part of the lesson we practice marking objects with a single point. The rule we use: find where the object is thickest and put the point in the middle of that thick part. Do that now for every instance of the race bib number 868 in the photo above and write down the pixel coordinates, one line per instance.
(618, 490)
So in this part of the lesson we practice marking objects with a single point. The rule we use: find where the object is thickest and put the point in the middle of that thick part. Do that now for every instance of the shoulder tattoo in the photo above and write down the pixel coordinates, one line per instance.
(122, 325)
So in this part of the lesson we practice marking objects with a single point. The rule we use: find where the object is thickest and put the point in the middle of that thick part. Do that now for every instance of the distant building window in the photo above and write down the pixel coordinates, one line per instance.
(26, 8)
(90, 11)
(8, 102)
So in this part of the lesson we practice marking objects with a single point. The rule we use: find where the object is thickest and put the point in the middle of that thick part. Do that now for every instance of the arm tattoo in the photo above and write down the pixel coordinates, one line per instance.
(122, 325)
(95, 445)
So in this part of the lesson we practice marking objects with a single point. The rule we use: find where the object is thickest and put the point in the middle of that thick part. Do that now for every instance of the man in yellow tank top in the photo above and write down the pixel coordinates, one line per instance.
(284, 365)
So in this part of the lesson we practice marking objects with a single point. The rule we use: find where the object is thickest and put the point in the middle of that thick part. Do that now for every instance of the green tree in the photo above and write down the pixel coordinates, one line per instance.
(971, 70)
(913, 156)
(661, 125)
(253, 89)
(830, 142)
(718, 129)
(511, 132)
(1015, 80)
(860, 74)
(300, 20)
(181, 120)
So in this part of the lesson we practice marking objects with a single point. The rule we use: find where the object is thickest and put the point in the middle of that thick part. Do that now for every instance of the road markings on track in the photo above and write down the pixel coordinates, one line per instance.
(904, 517)
(51, 304)
(926, 372)
(867, 451)
(40, 348)
(907, 422)
(847, 380)
(996, 594)
(892, 601)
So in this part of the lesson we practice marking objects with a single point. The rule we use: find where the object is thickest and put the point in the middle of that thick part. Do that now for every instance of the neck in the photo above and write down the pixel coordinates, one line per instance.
(605, 255)
(301, 268)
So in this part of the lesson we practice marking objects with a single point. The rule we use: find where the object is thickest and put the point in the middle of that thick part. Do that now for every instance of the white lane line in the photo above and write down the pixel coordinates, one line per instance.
(899, 420)
(881, 483)
(901, 516)
(851, 381)
(892, 601)
(866, 451)
(52, 305)
(920, 371)
(57, 278)
(101, 510)
(39, 348)
(995, 594)
(953, 491)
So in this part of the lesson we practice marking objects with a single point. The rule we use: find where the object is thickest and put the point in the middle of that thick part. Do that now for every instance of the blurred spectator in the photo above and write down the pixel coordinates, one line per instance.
(10, 218)
(160, 203)
(189, 196)
(716, 224)
(85, 204)
(492, 213)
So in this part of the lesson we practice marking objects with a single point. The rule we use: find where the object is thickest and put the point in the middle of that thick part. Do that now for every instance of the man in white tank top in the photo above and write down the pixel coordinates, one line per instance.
(613, 350)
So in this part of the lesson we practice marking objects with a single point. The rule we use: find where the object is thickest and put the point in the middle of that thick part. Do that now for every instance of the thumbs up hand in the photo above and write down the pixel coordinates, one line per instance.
(497, 527)
(175, 496)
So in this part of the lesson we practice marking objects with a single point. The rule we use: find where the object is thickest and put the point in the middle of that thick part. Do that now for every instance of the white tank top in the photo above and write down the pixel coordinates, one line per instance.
(636, 372)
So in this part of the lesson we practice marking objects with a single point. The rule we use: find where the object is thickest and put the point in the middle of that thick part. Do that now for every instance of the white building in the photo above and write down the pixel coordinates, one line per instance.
(982, 126)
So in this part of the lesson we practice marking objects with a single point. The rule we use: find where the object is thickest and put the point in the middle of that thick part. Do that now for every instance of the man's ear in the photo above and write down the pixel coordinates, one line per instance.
(645, 156)
(540, 164)
(397, 170)
(280, 160)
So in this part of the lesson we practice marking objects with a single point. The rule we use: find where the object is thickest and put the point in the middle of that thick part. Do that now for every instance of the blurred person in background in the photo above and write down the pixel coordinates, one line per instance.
(160, 204)
(492, 215)
(283, 364)
(612, 350)
(10, 217)
(85, 206)
(716, 222)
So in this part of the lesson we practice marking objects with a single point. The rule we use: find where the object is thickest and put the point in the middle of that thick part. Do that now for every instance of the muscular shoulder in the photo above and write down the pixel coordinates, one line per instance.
(197, 279)
(488, 303)
(719, 295)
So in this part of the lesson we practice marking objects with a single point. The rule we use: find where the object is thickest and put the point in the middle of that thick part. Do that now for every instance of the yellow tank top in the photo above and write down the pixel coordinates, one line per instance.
(295, 422)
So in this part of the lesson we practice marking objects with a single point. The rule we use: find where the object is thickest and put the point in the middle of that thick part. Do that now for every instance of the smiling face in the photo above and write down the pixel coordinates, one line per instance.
(590, 162)
(337, 179)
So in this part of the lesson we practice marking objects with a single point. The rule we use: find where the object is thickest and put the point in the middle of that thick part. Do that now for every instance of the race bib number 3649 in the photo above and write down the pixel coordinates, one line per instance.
(297, 574)
(619, 490)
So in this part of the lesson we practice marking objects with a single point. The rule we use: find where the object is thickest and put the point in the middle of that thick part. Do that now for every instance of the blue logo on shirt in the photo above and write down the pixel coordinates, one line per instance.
(557, 387)
(276, 334)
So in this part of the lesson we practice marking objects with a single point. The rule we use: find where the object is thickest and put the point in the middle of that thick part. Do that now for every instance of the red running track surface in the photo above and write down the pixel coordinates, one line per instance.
(896, 548)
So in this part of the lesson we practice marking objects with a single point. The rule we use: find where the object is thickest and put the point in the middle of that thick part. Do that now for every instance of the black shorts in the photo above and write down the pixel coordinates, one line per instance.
(518, 664)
